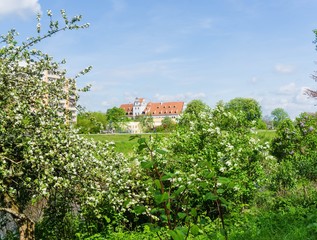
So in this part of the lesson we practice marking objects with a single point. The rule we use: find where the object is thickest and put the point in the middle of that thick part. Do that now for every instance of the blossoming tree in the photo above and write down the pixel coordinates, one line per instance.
(40, 154)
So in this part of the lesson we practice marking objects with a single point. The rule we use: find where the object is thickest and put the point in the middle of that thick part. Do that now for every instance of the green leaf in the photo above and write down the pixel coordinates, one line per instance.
(147, 164)
(208, 174)
(193, 212)
(181, 215)
(161, 151)
(165, 196)
(220, 190)
(176, 234)
(139, 209)
(167, 176)
(159, 198)
(223, 180)
(194, 230)
(173, 234)
(178, 191)
(157, 183)
(211, 196)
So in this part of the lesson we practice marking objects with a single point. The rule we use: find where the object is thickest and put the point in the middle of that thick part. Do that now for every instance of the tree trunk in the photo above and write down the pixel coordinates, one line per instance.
(26, 229)
(25, 224)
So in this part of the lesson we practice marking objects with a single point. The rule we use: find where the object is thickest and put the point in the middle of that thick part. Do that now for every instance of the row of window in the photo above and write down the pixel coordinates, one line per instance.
(165, 106)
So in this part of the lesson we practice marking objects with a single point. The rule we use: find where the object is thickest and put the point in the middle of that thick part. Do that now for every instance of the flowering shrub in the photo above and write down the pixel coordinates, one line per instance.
(296, 144)
(202, 171)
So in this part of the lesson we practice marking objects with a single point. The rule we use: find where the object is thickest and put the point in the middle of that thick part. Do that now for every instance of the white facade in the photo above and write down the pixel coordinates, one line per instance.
(134, 127)
(138, 106)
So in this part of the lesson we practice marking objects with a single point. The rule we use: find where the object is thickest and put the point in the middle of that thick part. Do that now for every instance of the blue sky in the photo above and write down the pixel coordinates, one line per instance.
(179, 50)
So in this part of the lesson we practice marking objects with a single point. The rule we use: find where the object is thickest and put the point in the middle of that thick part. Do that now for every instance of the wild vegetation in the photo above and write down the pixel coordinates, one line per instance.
(212, 177)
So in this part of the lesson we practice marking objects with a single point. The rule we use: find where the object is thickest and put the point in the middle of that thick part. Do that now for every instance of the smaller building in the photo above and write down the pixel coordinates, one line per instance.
(134, 127)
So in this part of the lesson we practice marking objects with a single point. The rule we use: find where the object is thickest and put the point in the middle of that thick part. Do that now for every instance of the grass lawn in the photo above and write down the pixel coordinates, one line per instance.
(124, 144)
(266, 135)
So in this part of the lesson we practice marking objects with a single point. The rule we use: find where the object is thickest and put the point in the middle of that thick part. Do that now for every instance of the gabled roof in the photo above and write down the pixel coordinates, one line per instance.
(128, 108)
(164, 108)
(156, 109)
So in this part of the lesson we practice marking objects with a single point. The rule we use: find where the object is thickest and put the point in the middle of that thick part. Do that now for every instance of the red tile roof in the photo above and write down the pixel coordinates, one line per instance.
(156, 109)
(164, 108)
(128, 108)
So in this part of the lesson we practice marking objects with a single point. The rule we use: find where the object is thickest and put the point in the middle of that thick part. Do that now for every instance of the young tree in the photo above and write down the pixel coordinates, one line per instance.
(116, 118)
(279, 115)
(91, 122)
(41, 156)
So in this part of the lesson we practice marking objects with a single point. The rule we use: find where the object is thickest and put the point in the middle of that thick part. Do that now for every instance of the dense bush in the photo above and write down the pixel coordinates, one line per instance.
(295, 147)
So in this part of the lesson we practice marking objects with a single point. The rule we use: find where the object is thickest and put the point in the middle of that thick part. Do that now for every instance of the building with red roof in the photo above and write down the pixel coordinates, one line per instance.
(157, 110)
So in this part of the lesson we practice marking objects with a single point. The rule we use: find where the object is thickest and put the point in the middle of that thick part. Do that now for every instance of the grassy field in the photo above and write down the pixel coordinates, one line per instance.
(266, 135)
(124, 144)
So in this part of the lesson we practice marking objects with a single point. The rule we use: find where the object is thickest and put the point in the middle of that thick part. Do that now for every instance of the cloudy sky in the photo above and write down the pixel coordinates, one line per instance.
(183, 49)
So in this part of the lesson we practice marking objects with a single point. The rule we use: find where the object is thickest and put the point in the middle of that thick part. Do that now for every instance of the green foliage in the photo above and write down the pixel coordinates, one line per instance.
(295, 146)
(116, 118)
(168, 125)
(193, 111)
(146, 122)
(249, 107)
(96, 122)
(279, 115)
(221, 174)
(261, 124)
(91, 122)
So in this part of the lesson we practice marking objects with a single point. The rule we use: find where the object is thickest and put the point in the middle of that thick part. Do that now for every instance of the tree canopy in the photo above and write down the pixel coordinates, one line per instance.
(42, 158)
(279, 115)
(250, 108)
(116, 118)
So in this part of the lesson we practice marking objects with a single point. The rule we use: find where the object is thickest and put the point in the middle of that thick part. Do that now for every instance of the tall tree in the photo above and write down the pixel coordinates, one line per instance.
(193, 111)
(91, 122)
(250, 108)
(116, 118)
(279, 115)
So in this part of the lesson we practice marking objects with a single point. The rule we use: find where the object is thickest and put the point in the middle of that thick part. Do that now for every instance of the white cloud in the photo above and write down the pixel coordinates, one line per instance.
(254, 80)
(291, 98)
(282, 68)
(21, 8)
(288, 89)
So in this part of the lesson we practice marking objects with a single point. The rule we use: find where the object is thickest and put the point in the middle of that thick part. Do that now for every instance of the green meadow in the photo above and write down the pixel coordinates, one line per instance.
(125, 143)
